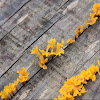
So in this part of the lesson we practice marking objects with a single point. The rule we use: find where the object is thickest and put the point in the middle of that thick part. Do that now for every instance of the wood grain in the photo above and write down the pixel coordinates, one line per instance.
(33, 24)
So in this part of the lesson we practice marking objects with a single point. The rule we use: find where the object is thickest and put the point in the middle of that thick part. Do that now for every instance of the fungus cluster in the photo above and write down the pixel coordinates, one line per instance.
(9, 89)
(50, 51)
(79, 30)
(94, 16)
(75, 85)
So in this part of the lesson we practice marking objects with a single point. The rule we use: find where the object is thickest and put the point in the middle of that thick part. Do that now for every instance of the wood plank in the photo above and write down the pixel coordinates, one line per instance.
(92, 88)
(25, 39)
(76, 48)
(79, 52)
(83, 9)
(40, 18)
(22, 35)
(17, 18)
(30, 62)
(68, 24)
(15, 32)
(26, 59)
(40, 86)
(12, 70)
(14, 51)
(39, 92)
(9, 8)
(10, 49)
(2, 33)
(43, 9)
(61, 30)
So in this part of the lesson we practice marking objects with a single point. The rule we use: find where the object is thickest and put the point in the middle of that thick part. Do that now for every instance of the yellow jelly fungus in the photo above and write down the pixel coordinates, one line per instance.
(76, 36)
(83, 27)
(74, 86)
(52, 53)
(78, 27)
(16, 83)
(9, 89)
(79, 30)
(43, 65)
(23, 75)
(42, 60)
(52, 44)
(58, 51)
(23, 79)
(47, 54)
(91, 21)
(70, 41)
(23, 72)
(4, 94)
(96, 7)
(93, 78)
(92, 15)
(98, 62)
(12, 88)
(96, 10)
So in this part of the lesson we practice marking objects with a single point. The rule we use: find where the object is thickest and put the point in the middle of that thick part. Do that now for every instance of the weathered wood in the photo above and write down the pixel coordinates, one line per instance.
(29, 40)
(26, 38)
(42, 86)
(10, 49)
(75, 56)
(58, 3)
(92, 88)
(2, 33)
(9, 8)
(22, 35)
(30, 62)
(17, 18)
(80, 52)
(26, 59)
(43, 9)
(63, 61)
(83, 8)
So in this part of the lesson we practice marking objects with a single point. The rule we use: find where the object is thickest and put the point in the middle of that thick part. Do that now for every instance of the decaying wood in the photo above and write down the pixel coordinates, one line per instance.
(32, 23)
(67, 65)
(9, 8)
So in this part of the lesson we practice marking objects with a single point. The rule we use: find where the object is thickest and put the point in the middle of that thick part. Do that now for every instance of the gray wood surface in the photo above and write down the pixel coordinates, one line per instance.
(31, 29)
(8, 8)
(32, 23)
(69, 64)
(92, 88)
